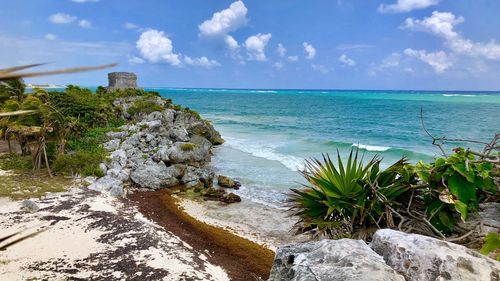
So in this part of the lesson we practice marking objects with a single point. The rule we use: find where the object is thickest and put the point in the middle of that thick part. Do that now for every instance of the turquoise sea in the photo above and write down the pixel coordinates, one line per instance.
(269, 133)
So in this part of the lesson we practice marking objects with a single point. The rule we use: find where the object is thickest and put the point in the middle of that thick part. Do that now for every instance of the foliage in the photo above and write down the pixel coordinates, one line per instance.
(454, 184)
(15, 161)
(144, 106)
(81, 162)
(188, 146)
(346, 199)
(491, 244)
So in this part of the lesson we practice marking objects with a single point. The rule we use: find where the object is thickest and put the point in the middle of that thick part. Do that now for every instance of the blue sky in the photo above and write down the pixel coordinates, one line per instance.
(323, 44)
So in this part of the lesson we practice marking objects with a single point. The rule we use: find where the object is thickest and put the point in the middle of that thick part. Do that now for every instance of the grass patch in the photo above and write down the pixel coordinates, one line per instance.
(188, 146)
(15, 162)
(27, 184)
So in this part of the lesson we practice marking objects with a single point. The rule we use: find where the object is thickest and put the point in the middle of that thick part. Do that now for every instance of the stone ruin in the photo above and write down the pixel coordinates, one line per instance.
(121, 80)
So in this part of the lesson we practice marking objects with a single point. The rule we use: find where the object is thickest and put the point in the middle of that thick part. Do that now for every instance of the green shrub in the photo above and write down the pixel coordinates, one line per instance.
(456, 184)
(15, 161)
(144, 106)
(82, 162)
(348, 199)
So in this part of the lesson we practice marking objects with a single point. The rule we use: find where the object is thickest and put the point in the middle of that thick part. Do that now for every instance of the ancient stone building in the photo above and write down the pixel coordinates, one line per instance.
(121, 80)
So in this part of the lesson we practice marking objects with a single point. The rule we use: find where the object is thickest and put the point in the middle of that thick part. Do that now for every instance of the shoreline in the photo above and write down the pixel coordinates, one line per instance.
(239, 256)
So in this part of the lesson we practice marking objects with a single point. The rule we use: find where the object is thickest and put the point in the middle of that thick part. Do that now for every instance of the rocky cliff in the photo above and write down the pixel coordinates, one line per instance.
(157, 150)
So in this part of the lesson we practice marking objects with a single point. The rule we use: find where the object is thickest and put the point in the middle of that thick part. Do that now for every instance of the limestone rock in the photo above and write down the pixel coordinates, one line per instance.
(205, 175)
(157, 175)
(230, 198)
(188, 153)
(112, 145)
(227, 182)
(29, 206)
(105, 183)
(195, 126)
(330, 260)
(117, 191)
(423, 258)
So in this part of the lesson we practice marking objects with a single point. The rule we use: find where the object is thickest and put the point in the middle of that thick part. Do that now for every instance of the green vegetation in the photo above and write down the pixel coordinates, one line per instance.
(354, 199)
(188, 146)
(67, 128)
(491, 244)
(348, 199)
(144, 106)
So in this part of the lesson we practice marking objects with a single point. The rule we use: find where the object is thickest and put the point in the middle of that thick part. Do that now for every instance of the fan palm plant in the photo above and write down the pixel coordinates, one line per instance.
(346, 200)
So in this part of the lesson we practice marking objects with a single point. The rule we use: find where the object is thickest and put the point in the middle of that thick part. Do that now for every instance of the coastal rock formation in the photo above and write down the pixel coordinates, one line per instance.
(392, 255)
(420, 257)
(157, 150)
(227, 182)
(121, 80)
(324, 260)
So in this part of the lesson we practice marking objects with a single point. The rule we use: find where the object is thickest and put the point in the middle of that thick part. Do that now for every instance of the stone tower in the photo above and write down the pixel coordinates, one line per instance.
(121, 80)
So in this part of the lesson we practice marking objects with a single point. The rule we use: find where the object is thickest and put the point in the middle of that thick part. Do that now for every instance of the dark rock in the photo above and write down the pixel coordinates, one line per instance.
(230, 198)
(227, 182)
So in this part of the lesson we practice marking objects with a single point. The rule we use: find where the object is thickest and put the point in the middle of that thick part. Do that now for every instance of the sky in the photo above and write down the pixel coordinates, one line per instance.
(272, 44)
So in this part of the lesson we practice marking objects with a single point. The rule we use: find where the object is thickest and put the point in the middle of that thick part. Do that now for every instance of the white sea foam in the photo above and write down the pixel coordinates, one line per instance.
(265, 150)
(458, 95)
(371, 147)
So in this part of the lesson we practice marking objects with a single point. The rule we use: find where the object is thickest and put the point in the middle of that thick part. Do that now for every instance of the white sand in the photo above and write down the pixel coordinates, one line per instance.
(95, 236)
(259, 223)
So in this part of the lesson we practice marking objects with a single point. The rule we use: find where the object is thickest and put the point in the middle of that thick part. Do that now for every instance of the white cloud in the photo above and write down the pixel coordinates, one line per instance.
(278, 65)
(439, 61)
(404, 6)
(442, 24)
(346, 60)
(61, 18)
(202, 61)
(309, 50)
(135, 60)
(130, 25)
(224, 22)
(50, 36)
(320, 68)
(293, 58)
(256, 46)
(155, 47)
(281, 50)
(85, 1)
(345, 47)
(85, 24)
(391, 60)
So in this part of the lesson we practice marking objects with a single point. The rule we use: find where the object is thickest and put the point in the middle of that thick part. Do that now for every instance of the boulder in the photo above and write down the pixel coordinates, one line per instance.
(119, 156)
(196, 126)
(188, 153)
(157, 175)
(117, 191)
(230, 198)
(227, 182)
(178, 134)
(330, 260)
(205, 175)
(112, 145)
(423, 258)
(29, 206)
(105, 183)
